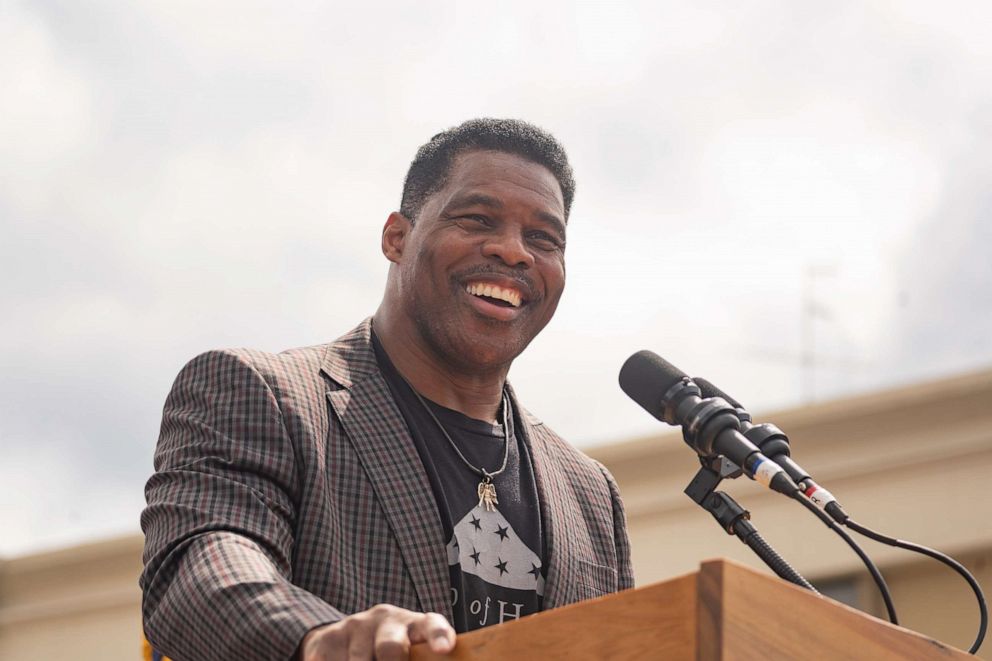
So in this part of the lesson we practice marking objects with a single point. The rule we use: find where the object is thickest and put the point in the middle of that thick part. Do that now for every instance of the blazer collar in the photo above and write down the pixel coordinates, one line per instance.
(350, 358)
(378, 433)
(561, 517)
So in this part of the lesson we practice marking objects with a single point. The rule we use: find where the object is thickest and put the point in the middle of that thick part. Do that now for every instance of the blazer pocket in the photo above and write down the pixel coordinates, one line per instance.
(596, 580)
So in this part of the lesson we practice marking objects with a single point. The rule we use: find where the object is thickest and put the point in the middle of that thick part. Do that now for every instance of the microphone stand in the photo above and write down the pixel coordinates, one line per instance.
(734, 519)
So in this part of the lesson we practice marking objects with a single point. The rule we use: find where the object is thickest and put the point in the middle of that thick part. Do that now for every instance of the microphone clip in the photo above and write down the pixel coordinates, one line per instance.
(714, 470)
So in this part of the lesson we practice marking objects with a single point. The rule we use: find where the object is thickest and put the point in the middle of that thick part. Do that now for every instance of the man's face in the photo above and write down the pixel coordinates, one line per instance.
(483, 267)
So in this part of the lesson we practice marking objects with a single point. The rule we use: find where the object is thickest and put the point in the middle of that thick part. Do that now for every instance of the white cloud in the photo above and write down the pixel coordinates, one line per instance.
(45, 110)
(176, 176)
(49, 500)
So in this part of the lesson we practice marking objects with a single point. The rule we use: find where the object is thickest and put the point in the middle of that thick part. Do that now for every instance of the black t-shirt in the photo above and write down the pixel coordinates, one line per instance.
(494, 557)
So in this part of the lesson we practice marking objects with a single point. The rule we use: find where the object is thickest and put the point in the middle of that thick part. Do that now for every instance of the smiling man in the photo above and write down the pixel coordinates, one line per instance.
(347, 500)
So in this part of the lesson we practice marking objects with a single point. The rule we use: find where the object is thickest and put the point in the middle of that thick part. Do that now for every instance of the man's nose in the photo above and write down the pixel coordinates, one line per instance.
(509, 247)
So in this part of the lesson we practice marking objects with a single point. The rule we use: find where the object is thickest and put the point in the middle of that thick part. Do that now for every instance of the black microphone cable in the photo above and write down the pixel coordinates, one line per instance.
(876, 575)
(841, 517)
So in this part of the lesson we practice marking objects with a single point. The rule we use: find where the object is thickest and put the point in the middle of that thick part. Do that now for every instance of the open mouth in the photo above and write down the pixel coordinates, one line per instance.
(496, 301)
(499, 296)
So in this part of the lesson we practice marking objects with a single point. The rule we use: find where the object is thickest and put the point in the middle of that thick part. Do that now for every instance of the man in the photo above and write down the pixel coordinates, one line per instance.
(347, 500)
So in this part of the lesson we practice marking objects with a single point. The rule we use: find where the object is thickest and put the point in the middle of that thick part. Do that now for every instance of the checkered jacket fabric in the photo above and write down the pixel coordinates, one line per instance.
(288, 493)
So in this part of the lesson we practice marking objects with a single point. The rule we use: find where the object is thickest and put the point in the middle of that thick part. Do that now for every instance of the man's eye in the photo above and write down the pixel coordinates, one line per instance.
(546, 242)
(477, 219)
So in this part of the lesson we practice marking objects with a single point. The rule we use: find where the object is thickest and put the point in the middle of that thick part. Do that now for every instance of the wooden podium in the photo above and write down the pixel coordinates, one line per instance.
(724, 611)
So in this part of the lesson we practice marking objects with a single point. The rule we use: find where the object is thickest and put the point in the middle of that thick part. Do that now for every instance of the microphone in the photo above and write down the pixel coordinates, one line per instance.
(710, 425)
(773, 442)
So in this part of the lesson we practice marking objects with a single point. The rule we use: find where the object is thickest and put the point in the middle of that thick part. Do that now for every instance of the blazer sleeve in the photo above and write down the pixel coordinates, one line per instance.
(625, 570)
(219, 521)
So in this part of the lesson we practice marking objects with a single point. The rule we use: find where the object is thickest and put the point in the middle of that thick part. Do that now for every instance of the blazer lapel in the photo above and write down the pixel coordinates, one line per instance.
(379, 435)
(560, 517)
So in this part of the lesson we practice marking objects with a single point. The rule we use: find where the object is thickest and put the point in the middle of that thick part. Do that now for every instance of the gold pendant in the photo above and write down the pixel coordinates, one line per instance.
(487, 495)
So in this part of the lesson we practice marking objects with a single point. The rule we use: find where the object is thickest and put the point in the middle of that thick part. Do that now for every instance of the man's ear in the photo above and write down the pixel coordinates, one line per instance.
(394, 236)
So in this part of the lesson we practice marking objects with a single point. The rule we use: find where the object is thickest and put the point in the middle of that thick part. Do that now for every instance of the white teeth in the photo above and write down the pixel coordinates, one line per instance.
(492, 291)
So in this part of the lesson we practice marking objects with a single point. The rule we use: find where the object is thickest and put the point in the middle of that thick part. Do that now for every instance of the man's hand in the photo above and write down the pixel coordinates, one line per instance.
(383, 633)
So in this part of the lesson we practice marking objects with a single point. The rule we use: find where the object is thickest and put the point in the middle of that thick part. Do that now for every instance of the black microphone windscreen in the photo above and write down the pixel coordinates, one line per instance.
(646, 377)
(708, 390)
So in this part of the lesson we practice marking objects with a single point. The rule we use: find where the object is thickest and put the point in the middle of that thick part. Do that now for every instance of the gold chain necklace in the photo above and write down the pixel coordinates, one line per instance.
(486, 490)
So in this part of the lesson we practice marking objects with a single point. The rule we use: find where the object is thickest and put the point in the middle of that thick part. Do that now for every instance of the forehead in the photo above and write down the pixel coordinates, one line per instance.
(503, 174)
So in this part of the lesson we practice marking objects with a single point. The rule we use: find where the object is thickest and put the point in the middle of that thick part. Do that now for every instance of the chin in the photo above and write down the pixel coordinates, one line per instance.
(470, 342)
(485, 352)
(487, 357)
(481, 350)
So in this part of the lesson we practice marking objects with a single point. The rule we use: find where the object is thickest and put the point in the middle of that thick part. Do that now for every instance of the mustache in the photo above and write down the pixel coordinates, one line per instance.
(524, 281)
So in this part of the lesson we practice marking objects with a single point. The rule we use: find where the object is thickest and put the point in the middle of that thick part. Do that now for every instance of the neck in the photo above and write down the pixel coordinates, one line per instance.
(475, 394)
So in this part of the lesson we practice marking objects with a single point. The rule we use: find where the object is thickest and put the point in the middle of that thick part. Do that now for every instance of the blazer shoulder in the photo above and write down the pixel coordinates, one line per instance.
(294, 364)
(293, 377)
(290, 382)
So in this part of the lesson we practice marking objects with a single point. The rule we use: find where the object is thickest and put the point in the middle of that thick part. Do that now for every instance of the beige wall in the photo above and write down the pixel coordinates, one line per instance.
(78, 603)
(913, 463)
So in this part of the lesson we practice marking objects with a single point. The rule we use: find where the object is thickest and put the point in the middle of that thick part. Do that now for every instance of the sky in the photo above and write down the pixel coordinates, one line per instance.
(757, 183)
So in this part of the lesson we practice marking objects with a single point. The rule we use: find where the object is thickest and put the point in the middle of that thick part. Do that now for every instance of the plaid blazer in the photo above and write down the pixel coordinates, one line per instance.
(288, 493)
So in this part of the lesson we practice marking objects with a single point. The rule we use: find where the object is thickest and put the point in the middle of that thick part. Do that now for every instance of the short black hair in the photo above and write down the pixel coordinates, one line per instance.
(431, 166)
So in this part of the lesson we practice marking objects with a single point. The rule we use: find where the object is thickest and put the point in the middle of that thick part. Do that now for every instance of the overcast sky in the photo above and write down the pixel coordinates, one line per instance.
(180, 176)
